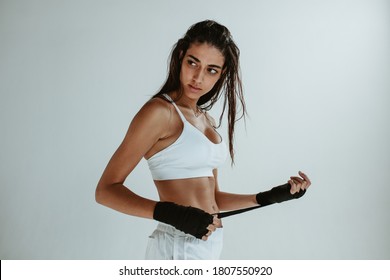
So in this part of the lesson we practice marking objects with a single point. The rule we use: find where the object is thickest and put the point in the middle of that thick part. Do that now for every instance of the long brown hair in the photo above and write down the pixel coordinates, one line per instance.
(229, 84)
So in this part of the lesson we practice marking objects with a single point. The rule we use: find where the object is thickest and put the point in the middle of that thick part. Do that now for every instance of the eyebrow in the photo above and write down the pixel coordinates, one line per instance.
(210, 65)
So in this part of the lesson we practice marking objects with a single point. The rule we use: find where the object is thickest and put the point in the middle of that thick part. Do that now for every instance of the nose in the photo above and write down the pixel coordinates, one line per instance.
(198, 76)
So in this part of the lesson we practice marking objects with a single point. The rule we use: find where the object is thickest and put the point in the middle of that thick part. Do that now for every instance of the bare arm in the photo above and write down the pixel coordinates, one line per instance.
(148, 126)
(231, 201)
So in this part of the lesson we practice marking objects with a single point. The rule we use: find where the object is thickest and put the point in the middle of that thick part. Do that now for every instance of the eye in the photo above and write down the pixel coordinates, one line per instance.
(212, 71)
(191, 63)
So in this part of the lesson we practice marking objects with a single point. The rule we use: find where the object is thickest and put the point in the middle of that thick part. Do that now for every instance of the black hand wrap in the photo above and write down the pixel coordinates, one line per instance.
(185, 218)
(278, 194)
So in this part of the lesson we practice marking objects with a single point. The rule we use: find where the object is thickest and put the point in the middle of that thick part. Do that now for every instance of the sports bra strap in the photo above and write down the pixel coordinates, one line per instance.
(177, 108)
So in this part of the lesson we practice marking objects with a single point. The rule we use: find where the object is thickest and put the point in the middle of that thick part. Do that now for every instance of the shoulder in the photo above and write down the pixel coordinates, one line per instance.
(157, 103)
(155, 108)
(154, 117)
(154, 114)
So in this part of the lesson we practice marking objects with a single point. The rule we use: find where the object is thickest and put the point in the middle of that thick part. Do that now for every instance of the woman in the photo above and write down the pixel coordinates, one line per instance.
(178, 138)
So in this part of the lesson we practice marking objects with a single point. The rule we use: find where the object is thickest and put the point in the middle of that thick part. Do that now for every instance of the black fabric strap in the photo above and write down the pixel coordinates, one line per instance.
(188, 219)
(235, 212)
(275, 195)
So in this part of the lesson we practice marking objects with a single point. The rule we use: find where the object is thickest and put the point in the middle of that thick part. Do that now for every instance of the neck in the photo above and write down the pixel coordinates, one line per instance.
(188, 103)
(184, 101)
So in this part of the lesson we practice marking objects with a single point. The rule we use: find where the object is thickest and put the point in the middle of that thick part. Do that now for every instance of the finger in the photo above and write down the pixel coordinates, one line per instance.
(297, 187)
(297, 179)
(301, 183)
(306, 180)
(217, 222)
(305, 177)
(211, 228)
(206, 236)
(293, 188)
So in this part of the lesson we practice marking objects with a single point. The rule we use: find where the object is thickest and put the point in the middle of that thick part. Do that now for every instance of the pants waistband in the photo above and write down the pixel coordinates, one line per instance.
(171, 230)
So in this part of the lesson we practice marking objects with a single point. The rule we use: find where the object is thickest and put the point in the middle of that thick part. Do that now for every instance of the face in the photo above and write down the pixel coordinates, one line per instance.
(200, 69)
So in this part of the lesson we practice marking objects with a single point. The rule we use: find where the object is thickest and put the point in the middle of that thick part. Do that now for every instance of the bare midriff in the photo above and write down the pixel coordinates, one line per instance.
(195, 192)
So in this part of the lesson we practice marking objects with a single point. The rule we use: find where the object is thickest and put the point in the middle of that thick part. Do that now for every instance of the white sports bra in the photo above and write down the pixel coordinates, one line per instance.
(191, 155)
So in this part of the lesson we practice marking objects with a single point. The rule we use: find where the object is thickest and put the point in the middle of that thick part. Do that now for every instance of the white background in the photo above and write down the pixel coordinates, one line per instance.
(316, 79)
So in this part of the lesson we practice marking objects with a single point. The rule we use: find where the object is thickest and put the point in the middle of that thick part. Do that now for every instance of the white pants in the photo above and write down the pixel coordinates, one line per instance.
(168, 243)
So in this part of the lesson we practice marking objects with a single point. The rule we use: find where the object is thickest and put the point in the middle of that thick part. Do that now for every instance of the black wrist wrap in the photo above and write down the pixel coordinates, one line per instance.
(188, 219)
(278, 194)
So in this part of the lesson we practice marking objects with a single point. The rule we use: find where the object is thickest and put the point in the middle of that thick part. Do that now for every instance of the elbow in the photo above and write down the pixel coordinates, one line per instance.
(100, 194)
(104, 193)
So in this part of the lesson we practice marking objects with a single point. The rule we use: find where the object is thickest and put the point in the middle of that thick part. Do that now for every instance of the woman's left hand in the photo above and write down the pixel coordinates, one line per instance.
(299, 183)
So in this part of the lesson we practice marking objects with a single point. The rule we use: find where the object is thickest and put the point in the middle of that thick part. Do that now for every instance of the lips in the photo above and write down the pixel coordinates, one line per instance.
(194, 88)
